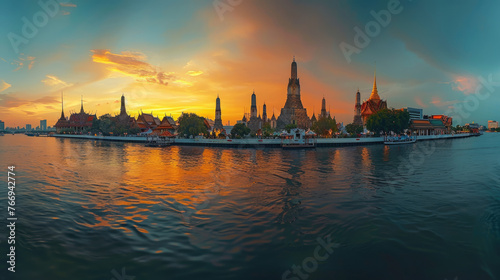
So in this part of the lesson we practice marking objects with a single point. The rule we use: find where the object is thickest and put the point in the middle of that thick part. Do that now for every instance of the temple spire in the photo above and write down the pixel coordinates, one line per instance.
(294, 69)
(62, 105)
(374, 95)
(123, 110)
(253, 108)
(81, 109)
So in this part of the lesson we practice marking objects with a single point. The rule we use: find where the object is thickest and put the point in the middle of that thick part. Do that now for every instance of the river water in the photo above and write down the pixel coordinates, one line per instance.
(107, 210)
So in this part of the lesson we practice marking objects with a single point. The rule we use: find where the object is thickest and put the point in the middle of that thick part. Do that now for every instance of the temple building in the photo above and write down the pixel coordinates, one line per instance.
(218, 116)
(273, 122)
(324, 113)
(293, 112)
(373, 104)
(147, 122)
(313, 119)
(255, 122)
(82, 120)
(357, 110)
(62, 122)
(264, 114)
(123, 119)
(165, 128)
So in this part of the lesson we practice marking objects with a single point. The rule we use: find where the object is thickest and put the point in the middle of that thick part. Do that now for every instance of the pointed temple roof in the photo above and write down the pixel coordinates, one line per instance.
(81, 109)
(374, 95)
(123, 110)
(62, 106)
(62, 122)
(313, 118)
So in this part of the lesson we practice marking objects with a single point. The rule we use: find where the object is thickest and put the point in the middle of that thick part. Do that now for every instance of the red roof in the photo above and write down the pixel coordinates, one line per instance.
(167, 134)
(371, 106)
(81, 120)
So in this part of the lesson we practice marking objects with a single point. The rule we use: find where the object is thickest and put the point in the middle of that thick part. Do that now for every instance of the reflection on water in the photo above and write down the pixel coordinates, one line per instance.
(87, 208)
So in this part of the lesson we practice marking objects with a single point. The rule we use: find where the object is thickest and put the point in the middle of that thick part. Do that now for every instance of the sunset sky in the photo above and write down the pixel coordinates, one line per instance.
(169, 57)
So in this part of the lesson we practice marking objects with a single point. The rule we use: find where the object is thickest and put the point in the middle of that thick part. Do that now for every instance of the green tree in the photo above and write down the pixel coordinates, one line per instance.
(290, 126)
(324, 125)
(191, 124)
(106, 125)
(388, 120)
(267, 130)
(239, 130)
(354, 129)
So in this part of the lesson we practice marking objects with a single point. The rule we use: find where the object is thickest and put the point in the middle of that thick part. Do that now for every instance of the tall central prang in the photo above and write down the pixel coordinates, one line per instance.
(293, 112)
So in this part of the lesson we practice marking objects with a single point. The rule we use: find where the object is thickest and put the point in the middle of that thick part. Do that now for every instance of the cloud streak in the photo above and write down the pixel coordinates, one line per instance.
(11, 100)
(194, 73)
(66, 4)
(4, 85)
(131, 64)
(55, 81)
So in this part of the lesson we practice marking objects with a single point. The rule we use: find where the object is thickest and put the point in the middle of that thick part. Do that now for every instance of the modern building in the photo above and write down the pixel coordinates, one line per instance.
(491, 125)
(28, 127)
(427, 127)
(474, 127)
(431, 125)
(2, 125)
(43, 125)
(446, 120)
(373, 104)
(293, 112)
(415, 113)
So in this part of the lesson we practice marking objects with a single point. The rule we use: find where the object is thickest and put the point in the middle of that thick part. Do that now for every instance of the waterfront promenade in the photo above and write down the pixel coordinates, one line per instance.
(261, 143)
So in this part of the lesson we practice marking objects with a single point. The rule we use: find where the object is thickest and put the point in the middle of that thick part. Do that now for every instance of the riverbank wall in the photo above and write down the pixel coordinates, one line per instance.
(260, 143)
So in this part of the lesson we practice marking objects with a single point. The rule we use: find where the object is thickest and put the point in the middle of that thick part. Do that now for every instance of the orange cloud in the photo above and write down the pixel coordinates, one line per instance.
(467, 85)
(10, 100)
(440, 103)
(68, 5)
(420, 103)
(21, 62)
(4, 85)
(131, 64)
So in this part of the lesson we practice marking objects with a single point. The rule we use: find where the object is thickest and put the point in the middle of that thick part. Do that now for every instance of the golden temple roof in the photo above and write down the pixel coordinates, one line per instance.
(374, 95)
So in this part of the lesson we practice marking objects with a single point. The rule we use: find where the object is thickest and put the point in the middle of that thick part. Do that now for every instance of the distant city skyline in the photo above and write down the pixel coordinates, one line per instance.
(171, 57)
